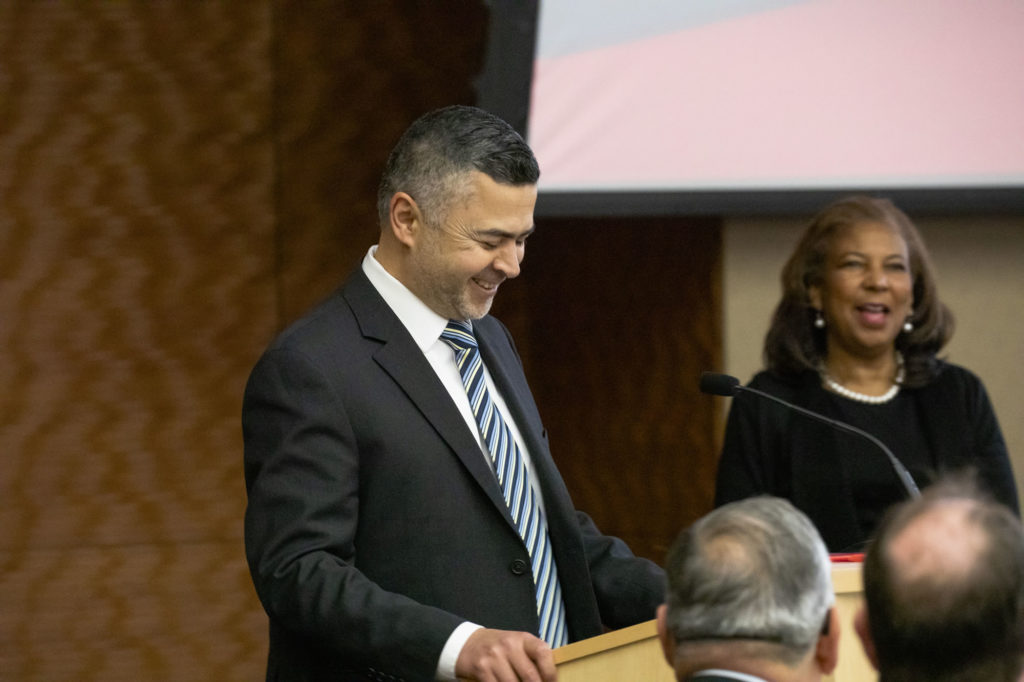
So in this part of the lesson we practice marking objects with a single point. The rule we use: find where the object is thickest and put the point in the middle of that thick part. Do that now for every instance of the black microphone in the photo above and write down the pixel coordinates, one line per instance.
(723, 384)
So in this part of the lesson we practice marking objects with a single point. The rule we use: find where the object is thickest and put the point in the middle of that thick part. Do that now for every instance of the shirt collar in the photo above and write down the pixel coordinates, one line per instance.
(731, 674)
(423, 324)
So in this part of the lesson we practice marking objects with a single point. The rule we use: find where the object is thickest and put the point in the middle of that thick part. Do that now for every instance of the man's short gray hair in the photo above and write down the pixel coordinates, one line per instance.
(754, 570)
(435, 158)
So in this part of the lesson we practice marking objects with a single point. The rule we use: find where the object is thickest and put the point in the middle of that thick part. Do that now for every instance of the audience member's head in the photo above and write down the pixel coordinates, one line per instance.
(944, 589)
(750, 590)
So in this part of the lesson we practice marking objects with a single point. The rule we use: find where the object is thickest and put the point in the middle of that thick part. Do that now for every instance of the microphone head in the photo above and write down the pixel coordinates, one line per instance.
(719, 384)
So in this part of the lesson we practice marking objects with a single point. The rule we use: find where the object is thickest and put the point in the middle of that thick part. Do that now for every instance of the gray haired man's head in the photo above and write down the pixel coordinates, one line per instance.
(755, 572)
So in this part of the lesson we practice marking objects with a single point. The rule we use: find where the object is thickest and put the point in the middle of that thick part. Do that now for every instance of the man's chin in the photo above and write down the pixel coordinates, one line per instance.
(476, 311)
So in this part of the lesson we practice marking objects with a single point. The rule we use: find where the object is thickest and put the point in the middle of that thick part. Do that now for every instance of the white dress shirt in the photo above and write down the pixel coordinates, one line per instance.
(731, 674)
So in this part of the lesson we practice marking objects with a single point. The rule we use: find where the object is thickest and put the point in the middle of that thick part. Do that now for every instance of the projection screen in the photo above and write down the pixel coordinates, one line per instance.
(658, 106)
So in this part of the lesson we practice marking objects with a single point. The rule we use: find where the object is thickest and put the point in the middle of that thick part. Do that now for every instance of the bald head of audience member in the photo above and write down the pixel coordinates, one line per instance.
(750, 591)
(944, 590)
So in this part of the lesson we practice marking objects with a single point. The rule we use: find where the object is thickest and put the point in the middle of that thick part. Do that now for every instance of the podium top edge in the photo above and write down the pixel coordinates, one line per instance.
(609, 640)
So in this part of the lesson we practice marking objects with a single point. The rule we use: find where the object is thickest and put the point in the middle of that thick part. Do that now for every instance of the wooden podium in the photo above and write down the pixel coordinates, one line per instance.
(854, 665)
(633, 654)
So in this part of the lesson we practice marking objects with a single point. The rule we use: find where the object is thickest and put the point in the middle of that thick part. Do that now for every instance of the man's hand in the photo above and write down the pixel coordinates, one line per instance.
(505, 656)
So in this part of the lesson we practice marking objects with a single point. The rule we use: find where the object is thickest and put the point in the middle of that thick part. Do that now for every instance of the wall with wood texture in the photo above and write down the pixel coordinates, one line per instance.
(181, 180)
(136, 234)
(178, 180)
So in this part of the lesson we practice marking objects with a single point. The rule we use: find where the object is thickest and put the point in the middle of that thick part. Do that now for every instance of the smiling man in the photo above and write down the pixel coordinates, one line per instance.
(405, 518)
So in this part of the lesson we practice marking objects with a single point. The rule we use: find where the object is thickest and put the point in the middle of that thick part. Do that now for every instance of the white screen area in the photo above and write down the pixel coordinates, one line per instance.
(649, 95)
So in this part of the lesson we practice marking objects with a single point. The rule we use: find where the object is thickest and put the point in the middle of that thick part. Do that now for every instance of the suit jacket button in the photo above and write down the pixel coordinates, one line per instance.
(519, 567)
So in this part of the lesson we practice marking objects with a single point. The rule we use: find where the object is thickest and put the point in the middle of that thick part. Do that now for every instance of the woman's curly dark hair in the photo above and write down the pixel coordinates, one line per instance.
(793, 345)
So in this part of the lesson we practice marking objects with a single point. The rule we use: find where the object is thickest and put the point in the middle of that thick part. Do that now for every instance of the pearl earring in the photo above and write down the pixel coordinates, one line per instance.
(819, 320)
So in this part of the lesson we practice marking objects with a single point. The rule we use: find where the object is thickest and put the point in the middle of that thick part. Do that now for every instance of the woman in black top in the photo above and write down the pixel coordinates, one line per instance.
(855, 338)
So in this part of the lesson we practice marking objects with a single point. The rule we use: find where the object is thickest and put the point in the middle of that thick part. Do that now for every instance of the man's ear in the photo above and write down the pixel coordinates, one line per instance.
(405, 218)
(860, 624)
(826, 653)
(668, 644)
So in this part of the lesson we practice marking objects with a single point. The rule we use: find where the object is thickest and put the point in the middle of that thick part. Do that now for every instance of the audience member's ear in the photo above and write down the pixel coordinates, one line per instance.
(826, 652)
(860, 624)
(668, 644)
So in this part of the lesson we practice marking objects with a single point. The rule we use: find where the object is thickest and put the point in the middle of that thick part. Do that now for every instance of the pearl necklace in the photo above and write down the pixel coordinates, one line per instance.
(863, 397)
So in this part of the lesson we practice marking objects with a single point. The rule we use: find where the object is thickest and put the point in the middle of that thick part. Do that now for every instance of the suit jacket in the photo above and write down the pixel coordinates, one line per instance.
(375, 525)
(770, 449)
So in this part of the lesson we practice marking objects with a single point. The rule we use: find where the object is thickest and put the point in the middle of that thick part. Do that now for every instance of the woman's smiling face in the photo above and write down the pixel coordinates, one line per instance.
(866, 292)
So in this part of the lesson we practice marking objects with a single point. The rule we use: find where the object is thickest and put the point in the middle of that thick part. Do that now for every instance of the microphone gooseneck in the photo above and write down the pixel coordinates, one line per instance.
(726, 385)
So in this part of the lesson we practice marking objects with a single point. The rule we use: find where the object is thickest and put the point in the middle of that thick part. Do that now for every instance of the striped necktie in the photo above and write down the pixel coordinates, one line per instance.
(514, 481)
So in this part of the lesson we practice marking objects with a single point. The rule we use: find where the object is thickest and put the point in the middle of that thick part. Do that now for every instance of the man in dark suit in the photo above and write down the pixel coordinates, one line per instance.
(944, 589)
(750, 597)
(379, 456)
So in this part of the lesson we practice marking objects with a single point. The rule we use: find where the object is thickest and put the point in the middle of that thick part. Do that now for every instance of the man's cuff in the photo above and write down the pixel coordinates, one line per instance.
(452, 649)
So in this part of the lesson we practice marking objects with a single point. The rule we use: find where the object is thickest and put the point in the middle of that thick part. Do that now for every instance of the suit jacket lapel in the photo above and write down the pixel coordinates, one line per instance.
(402, 359)
(505, 369)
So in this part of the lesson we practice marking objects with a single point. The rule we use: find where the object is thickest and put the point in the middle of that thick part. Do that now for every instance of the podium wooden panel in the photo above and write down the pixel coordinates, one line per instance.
(633, 654)
(854, 665)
